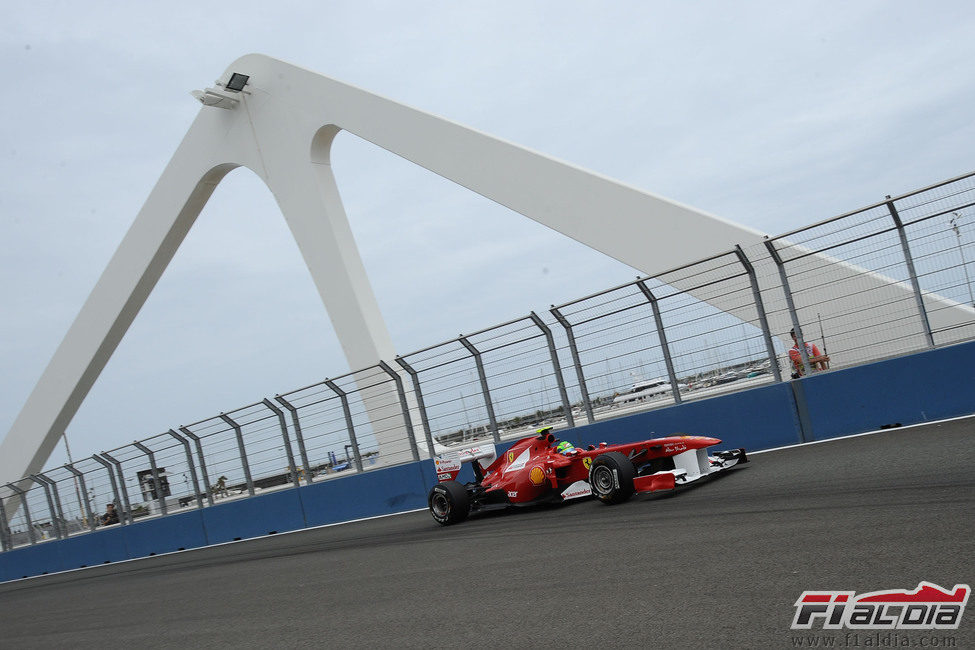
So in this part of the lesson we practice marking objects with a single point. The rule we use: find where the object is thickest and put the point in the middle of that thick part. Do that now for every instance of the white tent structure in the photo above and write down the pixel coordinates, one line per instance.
(279, 121)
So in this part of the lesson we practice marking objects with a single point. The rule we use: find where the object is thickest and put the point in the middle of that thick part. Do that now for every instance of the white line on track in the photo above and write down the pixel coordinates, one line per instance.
(867, 433)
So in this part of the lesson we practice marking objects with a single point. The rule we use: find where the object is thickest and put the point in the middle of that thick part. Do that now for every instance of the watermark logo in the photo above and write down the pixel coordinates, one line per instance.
(929, 607)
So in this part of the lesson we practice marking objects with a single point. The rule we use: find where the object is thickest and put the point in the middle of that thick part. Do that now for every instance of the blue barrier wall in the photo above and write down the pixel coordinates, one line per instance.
(759, 418)
(88, 550)
(907, 390)
(394, 489)
(267, 514)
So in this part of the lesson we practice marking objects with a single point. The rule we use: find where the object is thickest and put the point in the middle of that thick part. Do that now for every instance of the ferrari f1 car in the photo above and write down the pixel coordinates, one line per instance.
(535, 470)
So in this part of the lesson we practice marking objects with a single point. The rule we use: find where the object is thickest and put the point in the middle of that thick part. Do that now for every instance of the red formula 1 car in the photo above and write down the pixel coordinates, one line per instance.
(534, 470)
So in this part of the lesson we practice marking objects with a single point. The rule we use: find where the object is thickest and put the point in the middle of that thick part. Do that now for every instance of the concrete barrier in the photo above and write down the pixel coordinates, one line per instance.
(922, 387)
(274, 512)
(758, 418)
(377, 492)
(175, 532)
(103, 547)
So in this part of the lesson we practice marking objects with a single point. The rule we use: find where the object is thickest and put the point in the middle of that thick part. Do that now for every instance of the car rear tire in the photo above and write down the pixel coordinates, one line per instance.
(611, 477)
(449, 503)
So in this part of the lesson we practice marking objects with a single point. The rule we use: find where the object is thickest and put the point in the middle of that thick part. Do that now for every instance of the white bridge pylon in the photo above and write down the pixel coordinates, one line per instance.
(281, 126)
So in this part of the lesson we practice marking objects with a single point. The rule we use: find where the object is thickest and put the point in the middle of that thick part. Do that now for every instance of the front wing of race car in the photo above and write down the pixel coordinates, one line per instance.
(689, 466)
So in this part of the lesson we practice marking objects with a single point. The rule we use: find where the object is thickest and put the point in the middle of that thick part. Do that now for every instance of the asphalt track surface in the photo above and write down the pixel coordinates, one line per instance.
(718, 565)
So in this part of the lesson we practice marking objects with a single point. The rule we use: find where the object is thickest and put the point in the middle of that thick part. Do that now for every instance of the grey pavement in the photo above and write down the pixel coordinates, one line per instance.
(717, 565)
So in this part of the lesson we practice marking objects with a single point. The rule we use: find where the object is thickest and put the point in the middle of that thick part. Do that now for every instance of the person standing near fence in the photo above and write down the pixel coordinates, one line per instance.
(110, 517)
(817, 360)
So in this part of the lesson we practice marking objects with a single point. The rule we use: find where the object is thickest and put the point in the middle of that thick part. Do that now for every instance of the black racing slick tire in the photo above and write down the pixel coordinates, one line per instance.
(449, 503)
(611, 477)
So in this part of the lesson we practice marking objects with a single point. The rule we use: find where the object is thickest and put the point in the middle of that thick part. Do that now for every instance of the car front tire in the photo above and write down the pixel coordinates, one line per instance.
(611, 477)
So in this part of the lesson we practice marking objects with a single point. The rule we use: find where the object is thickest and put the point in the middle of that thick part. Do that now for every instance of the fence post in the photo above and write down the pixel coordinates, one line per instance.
(50, 503)
(83, 496)
(556, 367)
(909, 259)
(296, 424)
(662, 336)
(783, 276)
(760, 308)
(127, 513)
(189, 461)
(243, 452)
(424, 421)
(111, 477)
(6, 541)
(407, 420)
(282, 423)
(580, 376)
(60, 522)
(343, 396)
(203, 463)
(485, 391)
(156, 483)
(31, 533)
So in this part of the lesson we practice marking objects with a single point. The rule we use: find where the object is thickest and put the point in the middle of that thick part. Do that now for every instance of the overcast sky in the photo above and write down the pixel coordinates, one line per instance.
(770, 114)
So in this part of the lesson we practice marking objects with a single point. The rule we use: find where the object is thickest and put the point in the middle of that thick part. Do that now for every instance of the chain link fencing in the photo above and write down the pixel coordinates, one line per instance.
(886, 280)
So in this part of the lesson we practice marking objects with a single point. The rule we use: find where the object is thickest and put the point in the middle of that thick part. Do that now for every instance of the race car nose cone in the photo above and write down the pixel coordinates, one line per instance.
(700, 442)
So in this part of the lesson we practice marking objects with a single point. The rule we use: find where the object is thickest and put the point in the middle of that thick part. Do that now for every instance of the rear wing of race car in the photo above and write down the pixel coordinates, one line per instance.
(449, 463)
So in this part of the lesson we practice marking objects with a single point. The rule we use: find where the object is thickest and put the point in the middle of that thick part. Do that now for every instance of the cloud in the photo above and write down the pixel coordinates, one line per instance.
(774, 116)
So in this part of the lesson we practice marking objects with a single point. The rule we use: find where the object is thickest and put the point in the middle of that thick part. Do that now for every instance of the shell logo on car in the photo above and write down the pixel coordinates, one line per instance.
(536, 476)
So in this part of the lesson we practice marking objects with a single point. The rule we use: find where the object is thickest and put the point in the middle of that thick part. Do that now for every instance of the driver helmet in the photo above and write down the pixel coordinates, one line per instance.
(565, 447)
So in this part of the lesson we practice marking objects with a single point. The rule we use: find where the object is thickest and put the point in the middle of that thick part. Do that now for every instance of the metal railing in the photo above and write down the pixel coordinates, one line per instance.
(885, 280)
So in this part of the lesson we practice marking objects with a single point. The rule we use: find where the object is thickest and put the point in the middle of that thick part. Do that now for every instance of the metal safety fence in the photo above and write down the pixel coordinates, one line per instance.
(886, 280)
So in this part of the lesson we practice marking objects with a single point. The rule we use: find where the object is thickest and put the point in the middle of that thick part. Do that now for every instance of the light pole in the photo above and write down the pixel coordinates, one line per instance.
(467, 419)
(77, 488)
(961, 251)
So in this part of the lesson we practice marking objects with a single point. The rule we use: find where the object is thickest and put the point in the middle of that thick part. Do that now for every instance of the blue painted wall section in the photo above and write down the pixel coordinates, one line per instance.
(157, 536)
(922, 387)
(90, 550)
(31, 561)
(908, 390)
(759, 418)
(264, 514)
(378, 492)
